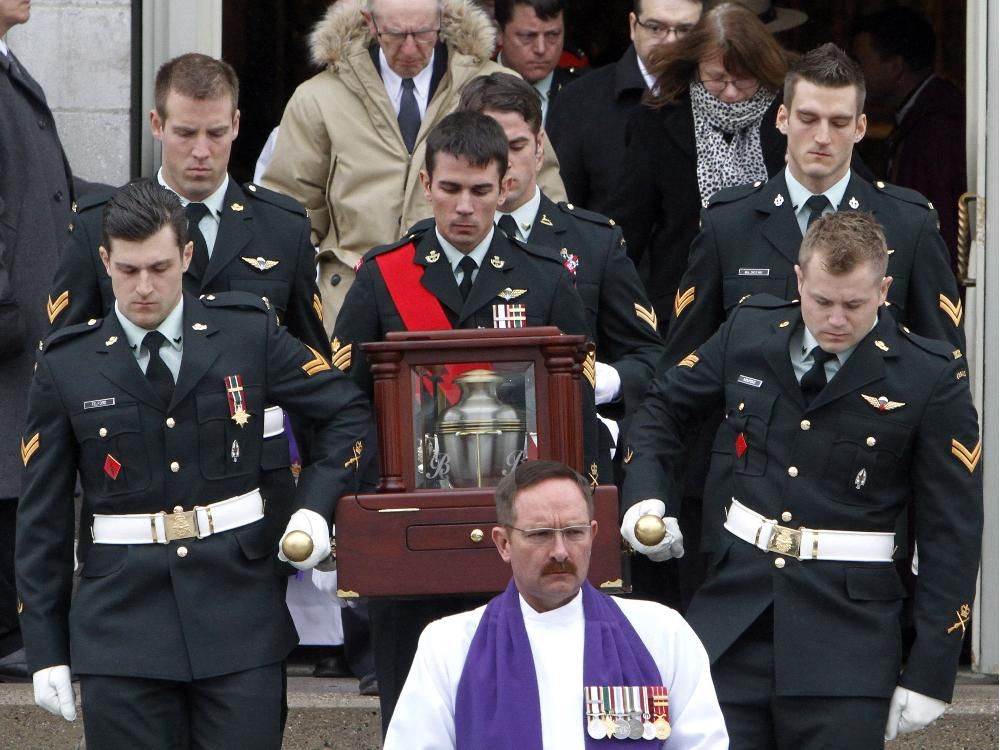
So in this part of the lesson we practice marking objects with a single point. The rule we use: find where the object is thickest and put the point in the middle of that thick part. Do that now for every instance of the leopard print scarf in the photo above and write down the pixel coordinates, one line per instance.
(738, 160)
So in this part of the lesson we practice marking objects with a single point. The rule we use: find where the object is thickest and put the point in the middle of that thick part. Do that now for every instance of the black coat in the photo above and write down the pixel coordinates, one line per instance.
(149, 610)
(620, 319)
(749, 243)
(842, 463)
(561, 77)
(587, 130)
(657, 200)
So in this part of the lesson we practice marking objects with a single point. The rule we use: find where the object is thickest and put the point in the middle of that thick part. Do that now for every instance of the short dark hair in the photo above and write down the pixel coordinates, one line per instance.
(546, 10)
(530, 473)
(845, 240)
(471, 136)
(198, 77)
(747, 48)
(901, 31)
(139, 210)
(503, 92)
(827, 66)
(637, 5)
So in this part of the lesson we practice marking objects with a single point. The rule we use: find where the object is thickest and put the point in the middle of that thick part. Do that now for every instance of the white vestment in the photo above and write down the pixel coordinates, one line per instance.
(424, 717)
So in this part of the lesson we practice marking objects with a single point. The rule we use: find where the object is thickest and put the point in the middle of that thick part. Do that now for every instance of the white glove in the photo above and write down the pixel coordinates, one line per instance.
(318, 530)
(54, 691)
(910, 711)
(673, 541)
(609, 383)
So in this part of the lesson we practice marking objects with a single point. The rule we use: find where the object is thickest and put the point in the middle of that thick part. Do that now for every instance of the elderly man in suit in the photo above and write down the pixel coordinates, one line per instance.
(35, 198)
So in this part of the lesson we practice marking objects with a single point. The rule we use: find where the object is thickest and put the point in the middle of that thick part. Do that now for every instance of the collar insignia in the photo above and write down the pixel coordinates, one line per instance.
(199, 327)
(545, 220)
(853, 202)
(432, 256)
(236, 207)
(880, 344)
(111, 341)
(779, 199)
(497, 262)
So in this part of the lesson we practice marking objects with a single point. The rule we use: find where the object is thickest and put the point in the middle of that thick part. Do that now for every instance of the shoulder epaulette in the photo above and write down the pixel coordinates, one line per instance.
(583, 213)
(235, 299)
(904, 194)
(934, 346)
(411, 237)
(767, 301)
(94, 198)
(735, 193)
(274, 198)
(69, 332)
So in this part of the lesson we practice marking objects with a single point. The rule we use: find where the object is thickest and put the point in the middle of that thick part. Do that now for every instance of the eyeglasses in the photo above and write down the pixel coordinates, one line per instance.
(716, 86)
(542, 536)
(662, 31)
(421, 37)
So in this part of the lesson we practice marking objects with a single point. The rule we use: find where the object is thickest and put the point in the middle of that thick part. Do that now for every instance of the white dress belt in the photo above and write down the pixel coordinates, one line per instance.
(163, 527)
(274, 421)
(808, 544)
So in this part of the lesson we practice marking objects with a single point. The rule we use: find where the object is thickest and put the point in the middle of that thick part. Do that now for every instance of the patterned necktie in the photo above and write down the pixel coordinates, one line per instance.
(508, 226)
(199, 258)
(468, 266)
(815, 379)
(409, 115)
(157, 371)
(816, 205)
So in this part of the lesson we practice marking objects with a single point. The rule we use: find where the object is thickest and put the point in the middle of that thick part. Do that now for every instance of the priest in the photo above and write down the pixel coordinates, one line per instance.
(551, 662)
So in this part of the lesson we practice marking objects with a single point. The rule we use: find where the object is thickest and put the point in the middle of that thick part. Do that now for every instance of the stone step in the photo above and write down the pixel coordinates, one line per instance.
(328, 714)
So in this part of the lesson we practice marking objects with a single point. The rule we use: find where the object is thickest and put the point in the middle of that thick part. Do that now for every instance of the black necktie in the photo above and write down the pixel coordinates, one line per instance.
(409, 115)
(814, 380)
(467, 266)
(199, 259)
(157, 371)
(508, 226)
(816, 205)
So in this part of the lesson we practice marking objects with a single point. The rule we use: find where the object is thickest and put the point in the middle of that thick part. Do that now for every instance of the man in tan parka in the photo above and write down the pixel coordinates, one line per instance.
(393, 69)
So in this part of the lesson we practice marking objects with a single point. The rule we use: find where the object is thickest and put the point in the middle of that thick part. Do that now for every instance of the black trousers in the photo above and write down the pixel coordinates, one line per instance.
(239, 710)
(757, 719)
(10, 628)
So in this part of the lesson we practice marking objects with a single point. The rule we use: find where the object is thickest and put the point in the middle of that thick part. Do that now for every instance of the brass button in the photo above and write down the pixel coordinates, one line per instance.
(805, 424)
(793, 471)
(740, 407)
(103, 432)
(170, 422)
(779, 562)
(786, 516)
(175, 467)
(870, 442)
(182, 551)
(476, 535)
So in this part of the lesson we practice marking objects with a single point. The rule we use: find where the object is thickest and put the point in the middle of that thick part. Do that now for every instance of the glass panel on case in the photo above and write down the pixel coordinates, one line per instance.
(473, 422)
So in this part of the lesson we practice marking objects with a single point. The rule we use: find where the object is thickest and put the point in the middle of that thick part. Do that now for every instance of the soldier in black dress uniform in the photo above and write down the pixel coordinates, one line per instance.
(179, 628)
(838, 419)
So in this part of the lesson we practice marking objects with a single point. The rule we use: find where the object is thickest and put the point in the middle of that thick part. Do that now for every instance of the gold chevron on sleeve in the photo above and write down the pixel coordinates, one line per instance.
(316, 364)
(318, 307)
(590, 369)
(340, 355)
(646, 316)
(30, 448)
(682, 300)
(689, 361)
(952, 310)
(970, 459)
(55, 306)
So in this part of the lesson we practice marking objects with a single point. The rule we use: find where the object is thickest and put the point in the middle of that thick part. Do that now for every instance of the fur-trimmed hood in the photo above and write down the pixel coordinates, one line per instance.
(465, 28)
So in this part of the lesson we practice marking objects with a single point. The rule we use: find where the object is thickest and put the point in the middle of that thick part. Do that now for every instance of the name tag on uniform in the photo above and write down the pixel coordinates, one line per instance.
(98, 404)
(745, 380)
(754, 272)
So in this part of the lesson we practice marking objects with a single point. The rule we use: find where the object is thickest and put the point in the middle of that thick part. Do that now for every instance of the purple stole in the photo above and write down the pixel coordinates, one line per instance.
(497, 704)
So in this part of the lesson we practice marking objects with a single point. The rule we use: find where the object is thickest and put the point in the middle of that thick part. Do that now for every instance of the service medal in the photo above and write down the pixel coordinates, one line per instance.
(596, 729)
(621, 729)
(662, 728)
(237, 403)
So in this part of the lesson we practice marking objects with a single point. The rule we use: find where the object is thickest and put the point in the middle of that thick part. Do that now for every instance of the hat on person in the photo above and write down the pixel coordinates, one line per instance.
(776, 19)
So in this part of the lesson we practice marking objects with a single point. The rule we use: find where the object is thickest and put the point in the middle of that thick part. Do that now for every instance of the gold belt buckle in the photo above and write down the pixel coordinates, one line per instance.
(180, 524)
(785, 541)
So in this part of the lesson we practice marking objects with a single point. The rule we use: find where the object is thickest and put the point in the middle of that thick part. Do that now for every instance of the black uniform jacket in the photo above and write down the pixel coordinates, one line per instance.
(657, 200)
(587, 130)
(749, 243)
(547, 294)
(262, 247)
(151, 610)
(848, 461)
(619, 317)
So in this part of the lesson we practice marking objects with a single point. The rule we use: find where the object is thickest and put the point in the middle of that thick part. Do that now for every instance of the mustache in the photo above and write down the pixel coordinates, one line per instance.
(564, 566)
